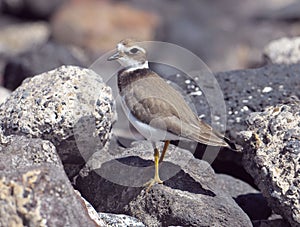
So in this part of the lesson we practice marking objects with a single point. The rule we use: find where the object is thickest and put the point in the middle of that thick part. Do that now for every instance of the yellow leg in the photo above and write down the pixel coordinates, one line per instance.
(166, 145)
(156, 179)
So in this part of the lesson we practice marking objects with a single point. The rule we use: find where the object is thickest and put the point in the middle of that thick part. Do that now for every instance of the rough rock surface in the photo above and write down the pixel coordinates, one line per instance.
(272, 157)
(189, 197)
(34, 190)
(41, 58)
(94, 26)
(283, 51)
(116, 220)
(66, 106)
(18, 38)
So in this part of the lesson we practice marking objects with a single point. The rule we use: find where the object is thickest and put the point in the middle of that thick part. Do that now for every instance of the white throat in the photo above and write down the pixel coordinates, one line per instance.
(138, 66)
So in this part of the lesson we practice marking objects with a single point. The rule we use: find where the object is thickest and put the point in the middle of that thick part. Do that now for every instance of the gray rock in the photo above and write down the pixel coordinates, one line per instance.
(19, 152)
(18, 38)
(272, 148)
(4, 93)
(249, 199)
(92, 212)
(66, 106)
(234, 187)
(41, 58)
(110, 220)
(283, 51)
(189, 197)
(119, 220)
(34, 190)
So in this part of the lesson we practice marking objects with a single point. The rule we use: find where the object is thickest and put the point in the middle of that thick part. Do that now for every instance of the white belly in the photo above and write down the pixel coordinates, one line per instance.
(149, 132)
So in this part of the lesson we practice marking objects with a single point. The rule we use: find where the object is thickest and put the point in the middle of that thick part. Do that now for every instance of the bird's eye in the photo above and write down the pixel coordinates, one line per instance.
(134, 50)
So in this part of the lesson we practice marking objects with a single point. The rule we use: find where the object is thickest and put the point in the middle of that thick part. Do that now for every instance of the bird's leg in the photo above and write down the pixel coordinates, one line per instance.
(156, 178)
(166, 145)
(156, 163)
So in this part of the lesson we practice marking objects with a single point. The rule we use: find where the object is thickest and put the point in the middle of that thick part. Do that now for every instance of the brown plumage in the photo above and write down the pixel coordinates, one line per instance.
(149, 97)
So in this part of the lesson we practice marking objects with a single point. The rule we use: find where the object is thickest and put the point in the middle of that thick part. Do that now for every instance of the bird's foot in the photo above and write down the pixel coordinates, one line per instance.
(150, 183)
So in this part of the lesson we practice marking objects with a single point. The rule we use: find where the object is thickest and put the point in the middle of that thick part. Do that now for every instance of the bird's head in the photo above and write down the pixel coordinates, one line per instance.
(130, 55)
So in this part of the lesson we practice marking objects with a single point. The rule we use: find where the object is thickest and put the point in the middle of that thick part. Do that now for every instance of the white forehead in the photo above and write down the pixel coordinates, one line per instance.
(122, 48)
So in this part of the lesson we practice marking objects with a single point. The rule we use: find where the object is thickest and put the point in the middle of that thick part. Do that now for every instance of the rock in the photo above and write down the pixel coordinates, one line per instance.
(283, 51)
(249, 199)
(271, 223)
(34, 9)
(67, 106)
(287, 12)
(271, 156)
(247, 91)
(4, 93)
(7, 20)
(93, 25)
(19, 38)
(34, 190)
(254, 205)
(19, 152)
(189, 197)
(116, 220)
(42, 58)
(111, 220)
(91, 211)
(234, 187)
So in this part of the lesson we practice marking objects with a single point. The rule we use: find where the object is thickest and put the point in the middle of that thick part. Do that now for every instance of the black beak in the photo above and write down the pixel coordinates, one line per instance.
(115, 56)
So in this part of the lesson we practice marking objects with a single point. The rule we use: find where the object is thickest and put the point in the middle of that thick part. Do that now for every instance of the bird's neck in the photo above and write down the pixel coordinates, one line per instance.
(128, 77)
(134, 67)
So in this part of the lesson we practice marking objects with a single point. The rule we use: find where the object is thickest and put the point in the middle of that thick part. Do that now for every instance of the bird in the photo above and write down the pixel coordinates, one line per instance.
(155, 108)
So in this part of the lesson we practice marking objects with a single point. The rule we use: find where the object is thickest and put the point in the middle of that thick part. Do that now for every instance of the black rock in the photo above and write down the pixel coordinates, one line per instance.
(254, 205)
(249, 199)
(190, 195)
(33, 9)
(38, 60)
(278, 222)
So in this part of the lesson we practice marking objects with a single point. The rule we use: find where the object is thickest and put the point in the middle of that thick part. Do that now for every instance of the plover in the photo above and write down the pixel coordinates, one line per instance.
(155, 108)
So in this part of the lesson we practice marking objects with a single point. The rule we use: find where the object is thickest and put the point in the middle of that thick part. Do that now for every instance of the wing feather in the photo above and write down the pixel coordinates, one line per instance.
(155, 102)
